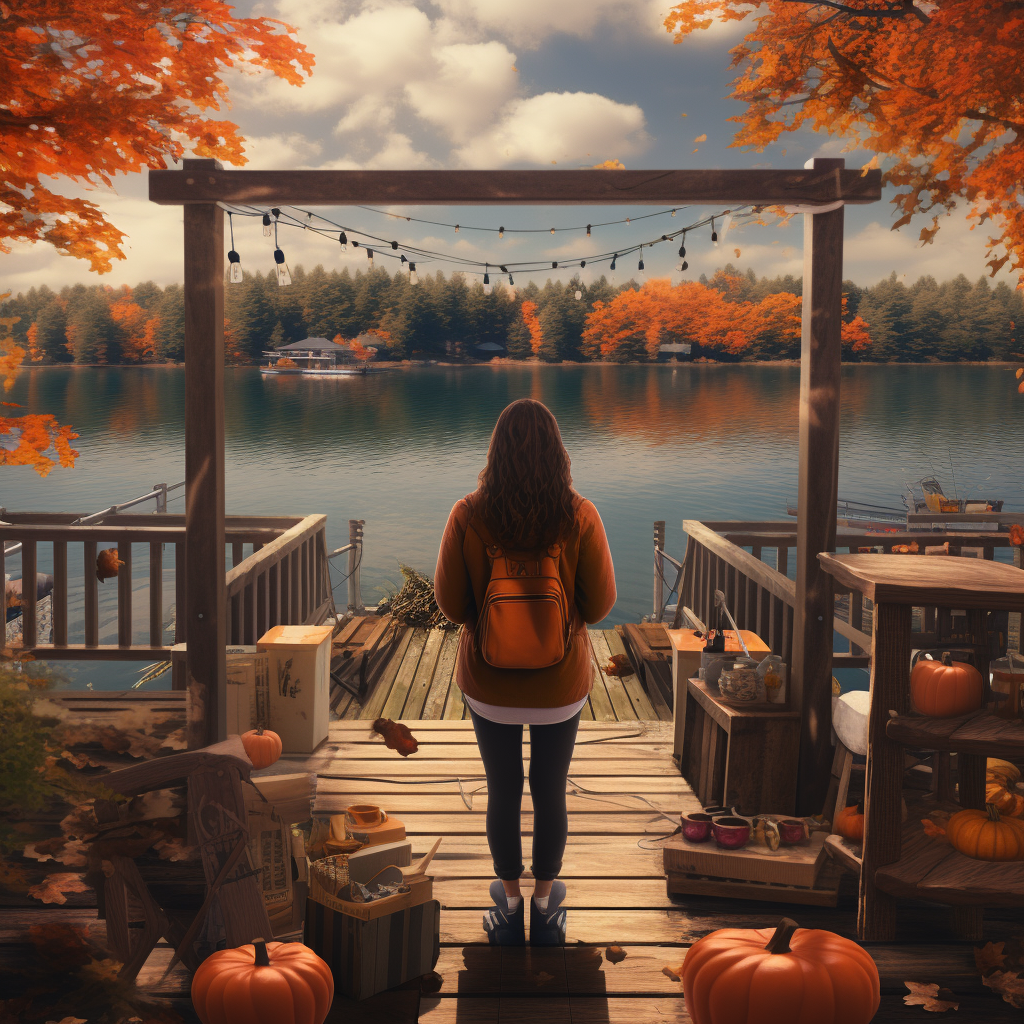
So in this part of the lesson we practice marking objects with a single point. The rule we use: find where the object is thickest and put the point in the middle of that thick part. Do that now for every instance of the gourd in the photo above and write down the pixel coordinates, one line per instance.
(850, 822)
(1000, 790)
(797, 974)
(263, 746)
(985, 835)
(945, 689)
(263, 983)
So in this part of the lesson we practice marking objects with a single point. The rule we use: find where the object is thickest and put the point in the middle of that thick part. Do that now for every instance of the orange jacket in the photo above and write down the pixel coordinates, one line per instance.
(588, 576)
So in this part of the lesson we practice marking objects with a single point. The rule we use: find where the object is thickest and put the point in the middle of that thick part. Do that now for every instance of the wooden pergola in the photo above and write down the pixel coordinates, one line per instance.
(202, 184)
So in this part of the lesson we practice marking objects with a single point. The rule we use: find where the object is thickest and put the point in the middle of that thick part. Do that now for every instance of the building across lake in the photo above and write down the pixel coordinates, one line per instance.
(316, 357)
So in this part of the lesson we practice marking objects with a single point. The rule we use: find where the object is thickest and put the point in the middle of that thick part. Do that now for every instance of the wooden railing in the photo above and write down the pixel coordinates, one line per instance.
(763, 599)
(284, 579)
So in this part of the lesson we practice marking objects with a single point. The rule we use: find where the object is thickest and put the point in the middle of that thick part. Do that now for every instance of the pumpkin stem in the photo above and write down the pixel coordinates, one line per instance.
(779, 942)
(947, 658)
(259, 730)
(262, 958)
(993, 811)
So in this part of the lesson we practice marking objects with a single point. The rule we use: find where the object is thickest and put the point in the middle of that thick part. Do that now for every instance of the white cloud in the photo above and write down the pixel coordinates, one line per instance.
(270, 152)
(558, 128)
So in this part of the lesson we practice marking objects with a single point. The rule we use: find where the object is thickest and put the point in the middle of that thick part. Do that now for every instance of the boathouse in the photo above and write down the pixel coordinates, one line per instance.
(313, 354)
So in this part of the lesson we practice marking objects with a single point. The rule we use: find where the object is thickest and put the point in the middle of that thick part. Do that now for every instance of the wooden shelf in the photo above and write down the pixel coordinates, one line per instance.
(930, 869)
(980, 733)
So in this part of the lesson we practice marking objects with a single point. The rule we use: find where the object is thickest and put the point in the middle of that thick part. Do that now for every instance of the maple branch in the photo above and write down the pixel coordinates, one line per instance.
(899, 11)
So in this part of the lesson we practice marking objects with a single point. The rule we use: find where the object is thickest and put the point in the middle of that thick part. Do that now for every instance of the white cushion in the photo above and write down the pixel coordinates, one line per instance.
(850, 720)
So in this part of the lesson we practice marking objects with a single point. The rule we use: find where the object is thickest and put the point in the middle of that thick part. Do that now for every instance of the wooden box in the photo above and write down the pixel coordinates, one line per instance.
(367, 957)
(300, 684)
(687, 649)
(248, 684)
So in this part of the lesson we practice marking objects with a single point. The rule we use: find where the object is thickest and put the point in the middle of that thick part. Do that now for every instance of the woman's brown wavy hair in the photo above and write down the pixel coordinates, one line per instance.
(526, 494)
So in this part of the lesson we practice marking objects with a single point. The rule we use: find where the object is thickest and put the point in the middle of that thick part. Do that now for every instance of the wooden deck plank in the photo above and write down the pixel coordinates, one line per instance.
(647, 729)
(424, 675)
(406, 768)
(470, 751)
(622, 706)
(375, 700)
(662, 710)
(402, 684)
(639, 700)
(433, 706)
(652, 786)
(421, 804)
(599, 699)
(455, 706)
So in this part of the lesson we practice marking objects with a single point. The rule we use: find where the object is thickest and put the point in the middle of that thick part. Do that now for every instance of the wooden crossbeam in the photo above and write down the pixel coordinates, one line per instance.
(540, 187)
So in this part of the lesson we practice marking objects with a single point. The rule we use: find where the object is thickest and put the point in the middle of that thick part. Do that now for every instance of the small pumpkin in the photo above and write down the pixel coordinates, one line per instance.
(1001, 790)
(792, 974)
(263, 746)
(263, 983)
(946, 688)
(985, 835)
(850, 822)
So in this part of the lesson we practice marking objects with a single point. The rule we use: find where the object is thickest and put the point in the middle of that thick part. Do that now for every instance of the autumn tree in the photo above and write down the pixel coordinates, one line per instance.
(934, 89)
(103, 87)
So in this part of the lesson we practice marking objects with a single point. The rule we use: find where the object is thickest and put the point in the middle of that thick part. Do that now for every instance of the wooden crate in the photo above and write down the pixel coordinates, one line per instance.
(824, 893)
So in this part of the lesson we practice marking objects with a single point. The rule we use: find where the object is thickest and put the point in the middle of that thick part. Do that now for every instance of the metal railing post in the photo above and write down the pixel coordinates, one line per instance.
(659, 569)
(161, 497)
(355, 556)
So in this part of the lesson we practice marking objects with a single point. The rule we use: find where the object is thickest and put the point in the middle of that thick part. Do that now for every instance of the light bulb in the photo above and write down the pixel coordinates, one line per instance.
(355, 244)
(236, 267)
(714, 233)
(487, 284)
(673, 213)
(267, 229)
(501, 232)
(552, 231)
(583, 263)
(588, 231)
(369, 256)
(554, 265)
(682, 251)
(456, 229)
(283, 277)
(413, 277)
(394, 245)
(614, 258)
(343, 238)
(682, 266)
(640, 265)
(579, 294)
(510, 281)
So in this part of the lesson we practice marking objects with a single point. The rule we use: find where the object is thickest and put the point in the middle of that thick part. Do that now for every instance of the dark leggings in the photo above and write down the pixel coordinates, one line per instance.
(501, 748)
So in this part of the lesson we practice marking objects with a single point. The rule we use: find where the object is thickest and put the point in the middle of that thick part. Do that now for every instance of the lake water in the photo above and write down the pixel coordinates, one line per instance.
(398, 449)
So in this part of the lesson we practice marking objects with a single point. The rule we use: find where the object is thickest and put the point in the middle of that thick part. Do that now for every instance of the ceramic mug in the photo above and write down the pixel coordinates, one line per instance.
(791, 831)
(696, 827)
(365, 816)
(731, 831)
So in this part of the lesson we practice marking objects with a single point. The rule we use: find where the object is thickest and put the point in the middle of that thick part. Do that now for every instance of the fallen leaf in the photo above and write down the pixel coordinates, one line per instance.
(701, 138)
(928, 996)
(1009, 986)
(931, 829)
(396, 736)
(670, 973)
(102, 970)
(60, 943)
(615, 954)
(52, 888)
(990, 956)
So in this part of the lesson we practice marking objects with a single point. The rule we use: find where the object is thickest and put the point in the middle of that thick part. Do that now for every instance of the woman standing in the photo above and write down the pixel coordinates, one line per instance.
(525, 527)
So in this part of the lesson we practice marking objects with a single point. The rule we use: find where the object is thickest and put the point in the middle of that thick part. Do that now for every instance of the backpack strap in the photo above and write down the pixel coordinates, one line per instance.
(492, 547)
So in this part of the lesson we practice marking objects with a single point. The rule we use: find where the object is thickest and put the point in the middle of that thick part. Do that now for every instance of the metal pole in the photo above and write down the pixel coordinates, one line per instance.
(659, 569)
(355, 556)
(161, 497)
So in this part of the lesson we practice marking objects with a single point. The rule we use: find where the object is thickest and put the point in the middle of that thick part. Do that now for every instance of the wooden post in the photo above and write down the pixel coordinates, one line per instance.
(659, 568)
(820, 355)
(204, 463)
(355, 556)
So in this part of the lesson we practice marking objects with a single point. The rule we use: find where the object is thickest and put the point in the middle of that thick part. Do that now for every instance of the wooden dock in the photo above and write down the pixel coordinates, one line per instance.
(624, 792)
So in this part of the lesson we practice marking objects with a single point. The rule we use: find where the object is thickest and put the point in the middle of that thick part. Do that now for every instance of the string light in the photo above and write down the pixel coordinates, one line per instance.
(552, 231)
(682, 265)
(640, 265)
(501, 232)
(588, 231)
(413, 276)
(233, 258)
(267, 229)
(554, 265)
(487, 280)
(614, 258)
(456, 229)
(283, 277)
(673, 213)
(369, 256)
(510, 281)
(714, 233)
(343, 238)
(394, 245)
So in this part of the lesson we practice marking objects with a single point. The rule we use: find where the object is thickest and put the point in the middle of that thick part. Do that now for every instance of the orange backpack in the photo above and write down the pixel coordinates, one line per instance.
(525, 620)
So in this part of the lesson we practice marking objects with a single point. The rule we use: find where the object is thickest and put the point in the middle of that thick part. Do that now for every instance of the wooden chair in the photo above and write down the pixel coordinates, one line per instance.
(217, 824)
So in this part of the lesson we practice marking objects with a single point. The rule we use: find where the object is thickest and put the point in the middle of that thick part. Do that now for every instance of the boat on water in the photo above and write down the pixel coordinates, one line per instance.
(928, 498)
(315, 357)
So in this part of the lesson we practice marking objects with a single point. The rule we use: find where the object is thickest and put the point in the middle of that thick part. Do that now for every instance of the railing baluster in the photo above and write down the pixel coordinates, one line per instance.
(3, 576)
(179, 592)
(92, 595)
(730, 587)
(304, 579)
(124, 593)
(59, 601)
(237, 553)
(249, 601)
(156, 594)
(261, 605)
(787, 634)
(235, 618)
(28, 593)
(783, 563)
(274, 597)
(294, 601)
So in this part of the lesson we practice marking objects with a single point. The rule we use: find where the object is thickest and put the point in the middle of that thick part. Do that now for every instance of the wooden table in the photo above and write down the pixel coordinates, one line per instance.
(734, 755)
(896, 584)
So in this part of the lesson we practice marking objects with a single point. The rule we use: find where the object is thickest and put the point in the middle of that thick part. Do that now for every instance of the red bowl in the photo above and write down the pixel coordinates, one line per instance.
(730, 832)
(791, 831)
(696, 827)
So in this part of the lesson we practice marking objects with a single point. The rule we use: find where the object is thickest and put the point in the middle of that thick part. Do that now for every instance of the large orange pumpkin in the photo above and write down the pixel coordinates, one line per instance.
(263, 746)
(263, 983)
(1001, 779)
(985, 835)
(945, 689)
(850, 822)
(794, 976)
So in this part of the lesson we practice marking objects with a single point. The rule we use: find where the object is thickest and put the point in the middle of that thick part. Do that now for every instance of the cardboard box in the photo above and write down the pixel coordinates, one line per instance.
(686, 651)
(248, 684)
(372, 956)
(300, 684)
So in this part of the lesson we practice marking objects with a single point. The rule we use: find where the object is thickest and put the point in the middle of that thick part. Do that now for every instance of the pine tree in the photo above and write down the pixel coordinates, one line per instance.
(171, 330)
(51, 328)
(92, 331)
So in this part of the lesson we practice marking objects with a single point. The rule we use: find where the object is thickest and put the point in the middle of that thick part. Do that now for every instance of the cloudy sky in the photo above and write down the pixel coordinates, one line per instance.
(491, 84)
